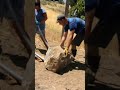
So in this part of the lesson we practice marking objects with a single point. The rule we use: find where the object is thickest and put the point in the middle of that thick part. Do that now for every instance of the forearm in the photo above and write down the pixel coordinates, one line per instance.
(69, 41)
(43, 21)
(62, 41)
(45, 17)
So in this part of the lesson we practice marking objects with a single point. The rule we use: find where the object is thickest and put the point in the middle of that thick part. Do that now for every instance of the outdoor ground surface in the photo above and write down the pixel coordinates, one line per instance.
(73, 76)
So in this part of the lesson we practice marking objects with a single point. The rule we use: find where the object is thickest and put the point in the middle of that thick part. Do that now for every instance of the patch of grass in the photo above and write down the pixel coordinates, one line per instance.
(55, 6)
(53, 29)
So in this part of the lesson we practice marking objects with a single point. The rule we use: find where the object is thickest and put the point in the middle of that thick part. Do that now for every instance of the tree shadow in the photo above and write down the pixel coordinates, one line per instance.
(20, 61)
(74, 65)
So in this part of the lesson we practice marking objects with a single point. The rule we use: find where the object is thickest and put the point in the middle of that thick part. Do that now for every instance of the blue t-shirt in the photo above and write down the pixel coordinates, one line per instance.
(39, 17)
(76, 24)
(39, 14)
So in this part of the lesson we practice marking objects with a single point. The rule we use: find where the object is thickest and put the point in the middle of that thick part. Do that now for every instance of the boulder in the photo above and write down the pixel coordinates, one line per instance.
(55, 59)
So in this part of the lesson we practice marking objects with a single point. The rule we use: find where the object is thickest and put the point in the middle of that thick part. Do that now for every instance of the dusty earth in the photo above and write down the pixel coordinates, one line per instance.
(70, 78)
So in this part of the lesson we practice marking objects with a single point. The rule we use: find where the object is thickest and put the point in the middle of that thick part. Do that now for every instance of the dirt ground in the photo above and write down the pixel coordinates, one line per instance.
(73, 76)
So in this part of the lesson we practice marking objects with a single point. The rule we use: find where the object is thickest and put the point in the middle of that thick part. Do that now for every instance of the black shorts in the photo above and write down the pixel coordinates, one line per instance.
(78, 38)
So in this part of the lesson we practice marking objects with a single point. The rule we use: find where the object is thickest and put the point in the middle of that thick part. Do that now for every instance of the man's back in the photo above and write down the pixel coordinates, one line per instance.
(76, 24)
(39, 14)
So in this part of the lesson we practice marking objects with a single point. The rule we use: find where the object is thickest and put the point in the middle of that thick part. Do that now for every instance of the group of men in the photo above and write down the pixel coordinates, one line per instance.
(71, 26)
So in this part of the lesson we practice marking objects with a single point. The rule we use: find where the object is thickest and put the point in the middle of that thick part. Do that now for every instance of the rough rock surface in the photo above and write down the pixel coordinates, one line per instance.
(56, 60)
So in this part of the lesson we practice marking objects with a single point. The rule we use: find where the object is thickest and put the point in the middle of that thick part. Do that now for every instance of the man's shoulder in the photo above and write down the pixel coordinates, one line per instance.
(43, 10)
(71, 19)
(75, 20)
(72, 23)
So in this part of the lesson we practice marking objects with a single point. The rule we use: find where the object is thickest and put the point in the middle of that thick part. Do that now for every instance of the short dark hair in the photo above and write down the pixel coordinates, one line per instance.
(37, 4)
(60, 17)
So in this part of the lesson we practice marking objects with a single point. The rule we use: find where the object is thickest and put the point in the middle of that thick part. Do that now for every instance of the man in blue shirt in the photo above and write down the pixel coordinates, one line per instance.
(72, 26)
(40, 17)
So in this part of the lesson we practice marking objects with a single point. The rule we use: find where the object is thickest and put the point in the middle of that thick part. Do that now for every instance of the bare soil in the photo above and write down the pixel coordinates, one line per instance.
(70, 78)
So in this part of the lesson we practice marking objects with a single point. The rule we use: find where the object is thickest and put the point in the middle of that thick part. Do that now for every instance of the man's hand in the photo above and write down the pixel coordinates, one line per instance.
(63, 40)
(66, 51)
(62, 45)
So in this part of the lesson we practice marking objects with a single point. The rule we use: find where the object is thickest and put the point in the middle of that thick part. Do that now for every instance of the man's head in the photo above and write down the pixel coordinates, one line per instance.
(37, 5)
(61, 19)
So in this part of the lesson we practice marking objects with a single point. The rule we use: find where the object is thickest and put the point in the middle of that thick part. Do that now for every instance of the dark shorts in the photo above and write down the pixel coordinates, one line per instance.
(78, 38)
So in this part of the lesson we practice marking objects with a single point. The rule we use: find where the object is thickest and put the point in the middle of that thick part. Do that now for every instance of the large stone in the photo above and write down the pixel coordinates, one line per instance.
(56, 60)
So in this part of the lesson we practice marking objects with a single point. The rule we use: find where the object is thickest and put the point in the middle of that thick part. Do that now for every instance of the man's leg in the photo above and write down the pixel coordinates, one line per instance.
(77, 41)
(74, 50)
(42, 28)
(43, 32)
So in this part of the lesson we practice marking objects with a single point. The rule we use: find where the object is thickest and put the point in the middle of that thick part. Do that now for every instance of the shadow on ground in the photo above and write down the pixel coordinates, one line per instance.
(19, 61)
(74, 65)
(42, 51)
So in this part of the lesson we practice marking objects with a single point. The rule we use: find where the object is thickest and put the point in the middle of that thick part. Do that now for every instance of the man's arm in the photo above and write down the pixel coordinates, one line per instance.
(45, 18)
(63, 39)
(70, 38)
